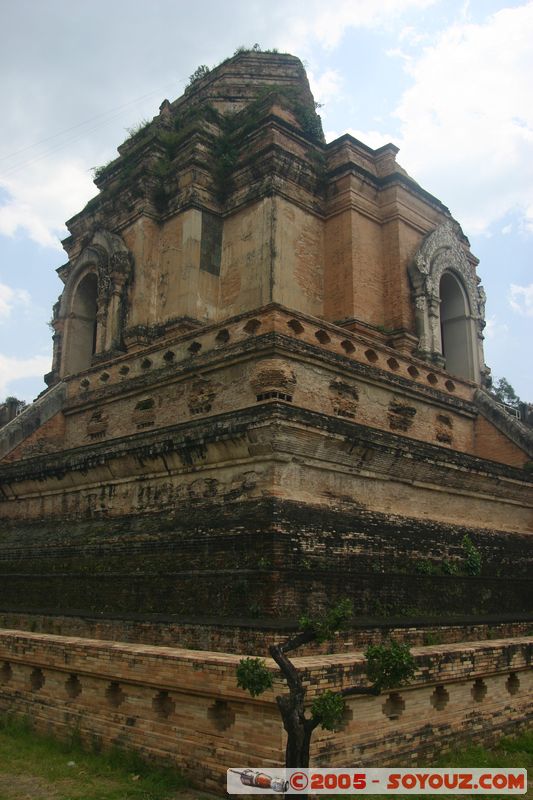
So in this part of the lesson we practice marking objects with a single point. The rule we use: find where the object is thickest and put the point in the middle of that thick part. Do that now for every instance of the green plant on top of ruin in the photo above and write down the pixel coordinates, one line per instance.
(138, 129)
(100, 170)
(449, 567)
(326, 625)
(199, 72)
(256, 48)
(426, 567)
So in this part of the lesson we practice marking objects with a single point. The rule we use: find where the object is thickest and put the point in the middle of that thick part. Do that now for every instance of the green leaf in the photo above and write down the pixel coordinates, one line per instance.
(328, 707)
(254, 676)
(333, 620)
(388, 666)
(472, 556)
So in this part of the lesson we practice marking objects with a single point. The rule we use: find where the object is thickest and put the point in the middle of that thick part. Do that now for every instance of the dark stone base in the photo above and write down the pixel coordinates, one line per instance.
(271, 560)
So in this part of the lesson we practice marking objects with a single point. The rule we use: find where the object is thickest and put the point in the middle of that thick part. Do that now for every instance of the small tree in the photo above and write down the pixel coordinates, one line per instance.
(388, 666)
(10, 408)
(199, 72)
(505, 393)
(16, 403)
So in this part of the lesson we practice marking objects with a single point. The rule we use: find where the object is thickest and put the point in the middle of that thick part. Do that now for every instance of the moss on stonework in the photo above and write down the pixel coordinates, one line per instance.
(224, 146)
(251, 559)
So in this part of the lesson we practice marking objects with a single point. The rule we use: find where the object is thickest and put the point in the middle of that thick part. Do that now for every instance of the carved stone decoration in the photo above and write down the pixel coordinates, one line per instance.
(400, 415)
(202, 394)
(272, 373)
(444, 429)
(102, 270)
(442, 252)
(344, 398)
(97, 424)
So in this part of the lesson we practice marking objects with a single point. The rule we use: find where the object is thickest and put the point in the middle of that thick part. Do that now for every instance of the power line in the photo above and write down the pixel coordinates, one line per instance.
(78, 125)
(111, 115)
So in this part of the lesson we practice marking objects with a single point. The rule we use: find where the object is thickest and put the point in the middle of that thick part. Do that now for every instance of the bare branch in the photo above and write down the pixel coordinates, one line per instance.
(298, 640)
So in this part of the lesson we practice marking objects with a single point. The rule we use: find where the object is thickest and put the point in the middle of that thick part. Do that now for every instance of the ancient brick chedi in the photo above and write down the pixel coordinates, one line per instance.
(268, 392)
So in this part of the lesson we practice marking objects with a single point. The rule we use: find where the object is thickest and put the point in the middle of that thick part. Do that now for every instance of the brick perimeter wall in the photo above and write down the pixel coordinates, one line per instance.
(255, 638)
(183, 705)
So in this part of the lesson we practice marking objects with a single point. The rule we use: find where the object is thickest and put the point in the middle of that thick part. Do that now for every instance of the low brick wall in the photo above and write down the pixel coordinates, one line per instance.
(255, 637)
(184, 706)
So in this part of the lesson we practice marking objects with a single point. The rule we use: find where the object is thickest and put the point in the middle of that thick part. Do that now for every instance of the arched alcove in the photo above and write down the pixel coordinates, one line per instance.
(88, 319)
(449, 303)
(456, 327)
(81, 337)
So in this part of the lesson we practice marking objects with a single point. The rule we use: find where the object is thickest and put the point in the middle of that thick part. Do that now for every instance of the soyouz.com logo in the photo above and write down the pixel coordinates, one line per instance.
(248, 780)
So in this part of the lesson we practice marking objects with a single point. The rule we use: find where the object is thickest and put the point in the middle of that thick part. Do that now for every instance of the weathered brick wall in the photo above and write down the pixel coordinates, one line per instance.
(272, 449)
(184, 706)
(255, 636)
(491, 444)
(48, 438)
(462, 693)
(215, 370)
(259, 559)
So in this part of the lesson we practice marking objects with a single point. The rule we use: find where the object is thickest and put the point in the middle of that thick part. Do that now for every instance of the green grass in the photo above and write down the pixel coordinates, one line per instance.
(39, 767)
(515, 751)
(35, 767)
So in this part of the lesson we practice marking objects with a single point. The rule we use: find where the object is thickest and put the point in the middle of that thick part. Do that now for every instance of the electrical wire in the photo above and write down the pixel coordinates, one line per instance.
(111, 115)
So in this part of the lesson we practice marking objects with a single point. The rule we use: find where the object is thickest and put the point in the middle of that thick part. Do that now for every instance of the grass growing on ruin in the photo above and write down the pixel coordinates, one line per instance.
(38, 767)
(512, 751)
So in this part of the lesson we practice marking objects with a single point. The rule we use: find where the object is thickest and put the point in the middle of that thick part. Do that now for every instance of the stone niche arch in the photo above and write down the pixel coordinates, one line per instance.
(80, 344)
(456, 328)
(88, 317)
(449, 304)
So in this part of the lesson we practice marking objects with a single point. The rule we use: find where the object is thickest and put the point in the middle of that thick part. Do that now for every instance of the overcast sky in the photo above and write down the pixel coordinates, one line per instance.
(448, 81)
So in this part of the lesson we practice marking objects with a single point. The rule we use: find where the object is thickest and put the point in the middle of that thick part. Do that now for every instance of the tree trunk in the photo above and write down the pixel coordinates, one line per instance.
(298, 742)
(291, 708)
(299, 731)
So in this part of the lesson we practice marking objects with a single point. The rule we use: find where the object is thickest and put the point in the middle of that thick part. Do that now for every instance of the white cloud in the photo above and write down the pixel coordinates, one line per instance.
(315, 21)
(42, 196)
(467, 119)
(373, 139)
(411, 35)
(325, 87)
(521, 299)
(11, 369)
(74, 134)
(495, 329)
(9, 298)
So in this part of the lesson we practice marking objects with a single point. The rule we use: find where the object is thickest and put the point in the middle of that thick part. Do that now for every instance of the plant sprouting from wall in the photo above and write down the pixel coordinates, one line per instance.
(472, 556)
(387, 666)
(199, 72)
(138, 129)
